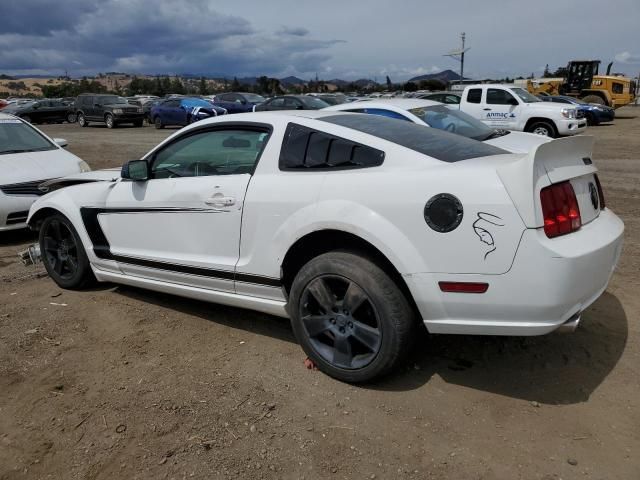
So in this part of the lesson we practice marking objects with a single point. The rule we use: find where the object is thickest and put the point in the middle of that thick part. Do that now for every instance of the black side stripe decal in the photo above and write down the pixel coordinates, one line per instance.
(102, 249)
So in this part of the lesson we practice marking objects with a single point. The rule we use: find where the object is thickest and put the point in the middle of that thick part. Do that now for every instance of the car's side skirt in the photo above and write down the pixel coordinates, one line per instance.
(265, 305)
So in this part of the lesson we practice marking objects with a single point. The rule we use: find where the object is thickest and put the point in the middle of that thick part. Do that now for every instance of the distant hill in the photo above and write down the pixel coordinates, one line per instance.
(292, 81)
(445, 76)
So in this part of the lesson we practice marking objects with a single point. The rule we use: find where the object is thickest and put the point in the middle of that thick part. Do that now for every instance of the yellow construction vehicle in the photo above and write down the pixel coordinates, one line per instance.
(582, 81)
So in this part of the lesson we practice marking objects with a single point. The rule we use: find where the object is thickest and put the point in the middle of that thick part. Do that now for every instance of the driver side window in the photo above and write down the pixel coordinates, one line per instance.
(221, 152)
(496, 96)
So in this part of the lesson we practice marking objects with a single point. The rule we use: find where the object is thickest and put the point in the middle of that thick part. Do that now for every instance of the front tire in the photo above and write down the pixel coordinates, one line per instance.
(350, 317)
(82, 121)
(158, 123)
(110, 122)
(542, 128)
(63, 254)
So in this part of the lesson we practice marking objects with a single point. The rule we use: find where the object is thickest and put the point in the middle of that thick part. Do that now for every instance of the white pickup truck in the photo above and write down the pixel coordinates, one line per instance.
(513, 108)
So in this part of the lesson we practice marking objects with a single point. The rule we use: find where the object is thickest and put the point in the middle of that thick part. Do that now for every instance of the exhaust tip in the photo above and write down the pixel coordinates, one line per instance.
(570, 325)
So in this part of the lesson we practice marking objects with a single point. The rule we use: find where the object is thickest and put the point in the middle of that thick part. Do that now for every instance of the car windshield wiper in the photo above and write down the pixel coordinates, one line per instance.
(2, 152)
(496, 134)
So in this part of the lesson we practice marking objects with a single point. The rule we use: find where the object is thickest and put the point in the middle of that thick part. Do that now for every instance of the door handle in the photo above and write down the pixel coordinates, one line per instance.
(220, 201)
(486, 109)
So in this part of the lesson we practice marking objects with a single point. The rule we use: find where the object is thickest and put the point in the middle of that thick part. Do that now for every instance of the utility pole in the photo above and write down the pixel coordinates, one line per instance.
(459, 56)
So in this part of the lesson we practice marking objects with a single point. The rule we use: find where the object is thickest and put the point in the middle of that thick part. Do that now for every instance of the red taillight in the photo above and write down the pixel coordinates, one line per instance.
(600, 193)
(560, 209)
(463, 287)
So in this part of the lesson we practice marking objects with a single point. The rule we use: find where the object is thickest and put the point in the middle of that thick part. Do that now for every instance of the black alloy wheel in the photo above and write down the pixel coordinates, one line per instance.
(341, 321)
(62, 252)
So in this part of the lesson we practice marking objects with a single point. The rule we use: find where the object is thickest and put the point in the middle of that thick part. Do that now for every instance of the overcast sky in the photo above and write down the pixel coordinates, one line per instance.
(337, 39)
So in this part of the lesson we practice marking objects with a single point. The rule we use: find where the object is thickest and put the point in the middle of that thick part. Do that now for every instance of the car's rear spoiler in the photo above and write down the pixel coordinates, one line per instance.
(552, 162)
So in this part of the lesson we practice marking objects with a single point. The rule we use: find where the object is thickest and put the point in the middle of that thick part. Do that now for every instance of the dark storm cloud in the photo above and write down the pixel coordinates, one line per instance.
(163, 36)
(41, 17)
(297, 31)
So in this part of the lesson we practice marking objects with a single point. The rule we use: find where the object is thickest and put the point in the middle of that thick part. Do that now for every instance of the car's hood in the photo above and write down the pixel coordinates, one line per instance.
(518, 142)
(30, 166)
(106, 175)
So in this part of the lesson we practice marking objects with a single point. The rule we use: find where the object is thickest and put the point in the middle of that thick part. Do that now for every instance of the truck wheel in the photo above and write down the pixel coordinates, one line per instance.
(542, 128)
(594, 99)
(63, 255)
(158, 123)
(71, 118)
(350, 317)
(82, 121)
(108, 119)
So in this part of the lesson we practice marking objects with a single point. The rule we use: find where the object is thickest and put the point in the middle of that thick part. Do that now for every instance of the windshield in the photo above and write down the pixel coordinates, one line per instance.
(454, 121)
(428, 141)
(17, 137)
(253, 98)
(574, 100)
(110, 100)
(525, 96)
(195, 102)
(313, 102)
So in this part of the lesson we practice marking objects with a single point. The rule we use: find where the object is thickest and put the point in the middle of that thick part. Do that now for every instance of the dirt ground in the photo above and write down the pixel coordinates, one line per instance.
(118, 382)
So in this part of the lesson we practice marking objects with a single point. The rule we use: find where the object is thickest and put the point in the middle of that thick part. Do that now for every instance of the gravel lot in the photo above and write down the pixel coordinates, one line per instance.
(118, 382)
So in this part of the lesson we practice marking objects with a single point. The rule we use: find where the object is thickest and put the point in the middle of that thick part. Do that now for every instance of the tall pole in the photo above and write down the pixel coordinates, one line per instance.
(462, 59)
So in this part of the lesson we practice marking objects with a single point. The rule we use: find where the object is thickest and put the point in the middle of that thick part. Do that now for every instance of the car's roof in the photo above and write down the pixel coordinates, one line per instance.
(439, 92)
(401, 103)
(7, 116)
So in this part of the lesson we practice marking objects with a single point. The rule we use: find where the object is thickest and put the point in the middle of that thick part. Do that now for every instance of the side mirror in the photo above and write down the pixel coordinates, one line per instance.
(97, 105)
(136, 170)
(36, 106)
(61, 142)
(514, 102)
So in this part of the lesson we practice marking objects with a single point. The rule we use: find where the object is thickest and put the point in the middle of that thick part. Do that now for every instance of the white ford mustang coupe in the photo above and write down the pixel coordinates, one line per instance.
(356, 227)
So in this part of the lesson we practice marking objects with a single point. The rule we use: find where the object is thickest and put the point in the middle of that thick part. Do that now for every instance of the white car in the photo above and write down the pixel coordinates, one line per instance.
(356, 227)
(437, 115)
(28, 157)
(514, 108)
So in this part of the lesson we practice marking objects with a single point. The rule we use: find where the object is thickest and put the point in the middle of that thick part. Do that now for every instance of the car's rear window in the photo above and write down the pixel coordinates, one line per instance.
(435, 143)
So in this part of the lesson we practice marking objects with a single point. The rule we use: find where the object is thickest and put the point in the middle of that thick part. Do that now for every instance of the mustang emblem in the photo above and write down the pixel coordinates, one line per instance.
(481, 228)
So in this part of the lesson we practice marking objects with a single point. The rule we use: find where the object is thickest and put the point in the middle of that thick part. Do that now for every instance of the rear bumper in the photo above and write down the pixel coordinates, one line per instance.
(549, 284)
(571, 126)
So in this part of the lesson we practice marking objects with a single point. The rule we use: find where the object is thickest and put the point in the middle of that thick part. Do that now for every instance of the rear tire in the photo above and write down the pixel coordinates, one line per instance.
(82, 121)
(63, 254)
(72, 118)
(158, 123)
(350, 317)
(543, 128)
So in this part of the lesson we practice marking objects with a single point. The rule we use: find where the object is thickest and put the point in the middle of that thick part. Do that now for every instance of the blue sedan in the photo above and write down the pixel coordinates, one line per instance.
(237, 102)
(183, 111)
(593, 112)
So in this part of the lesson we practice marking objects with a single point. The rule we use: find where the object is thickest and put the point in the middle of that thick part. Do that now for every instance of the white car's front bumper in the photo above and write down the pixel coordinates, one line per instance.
(14, 210)
(551, 282)
(571, 126)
